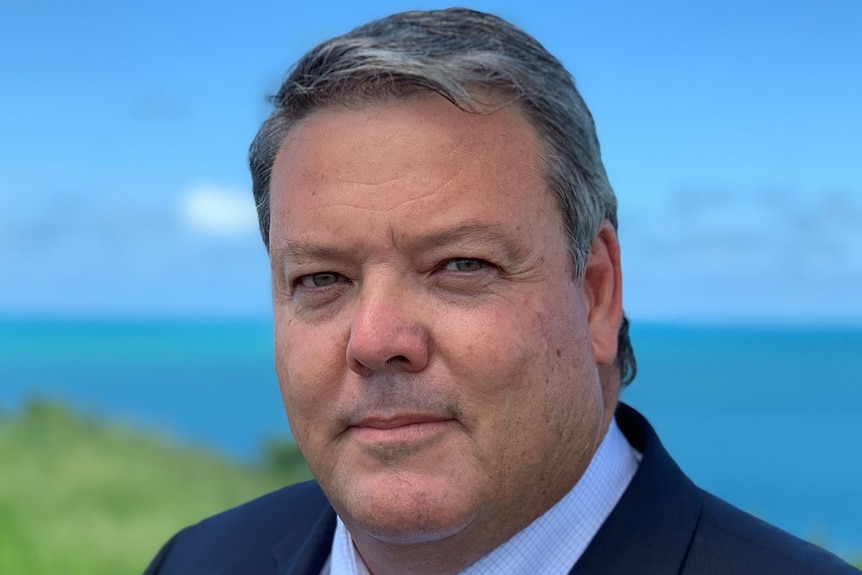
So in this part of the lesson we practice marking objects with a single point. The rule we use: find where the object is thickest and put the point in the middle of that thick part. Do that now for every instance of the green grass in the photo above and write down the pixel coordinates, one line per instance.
(83, 496)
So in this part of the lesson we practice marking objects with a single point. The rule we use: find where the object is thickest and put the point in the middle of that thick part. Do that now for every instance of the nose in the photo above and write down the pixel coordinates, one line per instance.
(386, 335)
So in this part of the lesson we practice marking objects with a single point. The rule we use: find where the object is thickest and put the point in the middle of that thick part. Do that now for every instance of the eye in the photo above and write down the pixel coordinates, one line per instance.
(319, 280)
(465, 265)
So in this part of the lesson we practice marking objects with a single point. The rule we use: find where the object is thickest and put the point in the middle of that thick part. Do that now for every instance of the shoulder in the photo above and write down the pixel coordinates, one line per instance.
(727, 538)
(245, 535)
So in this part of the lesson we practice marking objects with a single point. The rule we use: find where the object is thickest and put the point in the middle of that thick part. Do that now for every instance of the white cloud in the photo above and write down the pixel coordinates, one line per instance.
(215, 210)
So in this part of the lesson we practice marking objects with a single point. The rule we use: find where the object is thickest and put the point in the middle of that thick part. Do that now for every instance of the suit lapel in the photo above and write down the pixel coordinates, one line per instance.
(651, 528)
(297, 556)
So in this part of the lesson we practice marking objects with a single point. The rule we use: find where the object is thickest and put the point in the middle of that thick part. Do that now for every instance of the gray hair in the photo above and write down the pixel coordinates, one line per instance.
(463, 56)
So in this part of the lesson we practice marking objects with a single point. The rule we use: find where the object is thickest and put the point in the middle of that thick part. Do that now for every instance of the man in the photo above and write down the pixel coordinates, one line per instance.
(450, 340)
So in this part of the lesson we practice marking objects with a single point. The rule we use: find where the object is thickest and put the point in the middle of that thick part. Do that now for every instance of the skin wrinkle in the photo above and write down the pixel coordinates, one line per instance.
(465, 233)
(392, 181)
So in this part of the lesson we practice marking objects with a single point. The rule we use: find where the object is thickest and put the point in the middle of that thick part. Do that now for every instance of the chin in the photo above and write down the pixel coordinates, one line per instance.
(406, 511)
(412, 534)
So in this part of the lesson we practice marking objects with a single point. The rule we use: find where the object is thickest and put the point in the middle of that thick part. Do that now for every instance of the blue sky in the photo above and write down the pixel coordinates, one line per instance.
(732, 132)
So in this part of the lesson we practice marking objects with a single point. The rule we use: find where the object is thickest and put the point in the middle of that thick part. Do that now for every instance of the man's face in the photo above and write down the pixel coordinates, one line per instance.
(434, 352)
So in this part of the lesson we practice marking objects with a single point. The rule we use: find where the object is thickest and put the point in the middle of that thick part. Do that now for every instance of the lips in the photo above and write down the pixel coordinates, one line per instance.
(401, 428)
(397, 421)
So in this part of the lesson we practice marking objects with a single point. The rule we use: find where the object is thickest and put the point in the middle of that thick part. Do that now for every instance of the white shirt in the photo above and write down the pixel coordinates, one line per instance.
(552, 543)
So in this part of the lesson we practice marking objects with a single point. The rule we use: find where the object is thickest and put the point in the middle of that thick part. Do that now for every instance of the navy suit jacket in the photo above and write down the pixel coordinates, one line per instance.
(662, 525)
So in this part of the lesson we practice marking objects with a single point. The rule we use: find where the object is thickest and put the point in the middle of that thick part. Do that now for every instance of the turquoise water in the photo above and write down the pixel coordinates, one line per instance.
(768, 419)
(211, 383)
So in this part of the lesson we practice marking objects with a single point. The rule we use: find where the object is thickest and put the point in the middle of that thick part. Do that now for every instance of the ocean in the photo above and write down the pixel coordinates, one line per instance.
(767, 418)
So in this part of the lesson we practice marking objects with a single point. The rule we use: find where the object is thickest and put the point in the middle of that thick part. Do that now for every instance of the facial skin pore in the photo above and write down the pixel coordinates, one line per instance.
(438, 362)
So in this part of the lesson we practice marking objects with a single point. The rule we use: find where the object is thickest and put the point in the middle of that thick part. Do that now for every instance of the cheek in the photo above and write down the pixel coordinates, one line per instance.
(494, 356)
(309, 367)
(520, 363)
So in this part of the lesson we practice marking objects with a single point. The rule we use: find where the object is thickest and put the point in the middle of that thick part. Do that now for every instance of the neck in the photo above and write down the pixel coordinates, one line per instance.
(446, 556)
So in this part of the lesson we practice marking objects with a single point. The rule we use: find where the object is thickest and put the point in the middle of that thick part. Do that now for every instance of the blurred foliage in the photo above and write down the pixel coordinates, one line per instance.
(79, 495)
(281, 456)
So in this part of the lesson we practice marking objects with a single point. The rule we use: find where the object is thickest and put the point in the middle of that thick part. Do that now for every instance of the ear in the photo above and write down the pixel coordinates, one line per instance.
(602, 291)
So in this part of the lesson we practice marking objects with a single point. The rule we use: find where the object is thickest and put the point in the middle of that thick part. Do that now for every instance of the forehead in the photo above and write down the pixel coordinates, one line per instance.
(421, 158)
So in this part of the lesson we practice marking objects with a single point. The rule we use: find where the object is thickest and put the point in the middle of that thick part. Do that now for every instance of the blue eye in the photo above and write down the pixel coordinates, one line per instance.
(320, 280)
(465, 265)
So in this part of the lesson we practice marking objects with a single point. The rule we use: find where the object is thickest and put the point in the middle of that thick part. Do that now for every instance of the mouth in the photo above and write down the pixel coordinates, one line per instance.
(399, 429)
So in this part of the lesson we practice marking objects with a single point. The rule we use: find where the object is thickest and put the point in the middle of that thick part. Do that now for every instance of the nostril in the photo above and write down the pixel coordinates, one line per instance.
(397, 359)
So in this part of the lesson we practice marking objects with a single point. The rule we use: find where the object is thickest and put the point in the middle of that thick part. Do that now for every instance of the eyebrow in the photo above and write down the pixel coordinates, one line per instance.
(295, 252)
(468, 232)
(300, 252)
